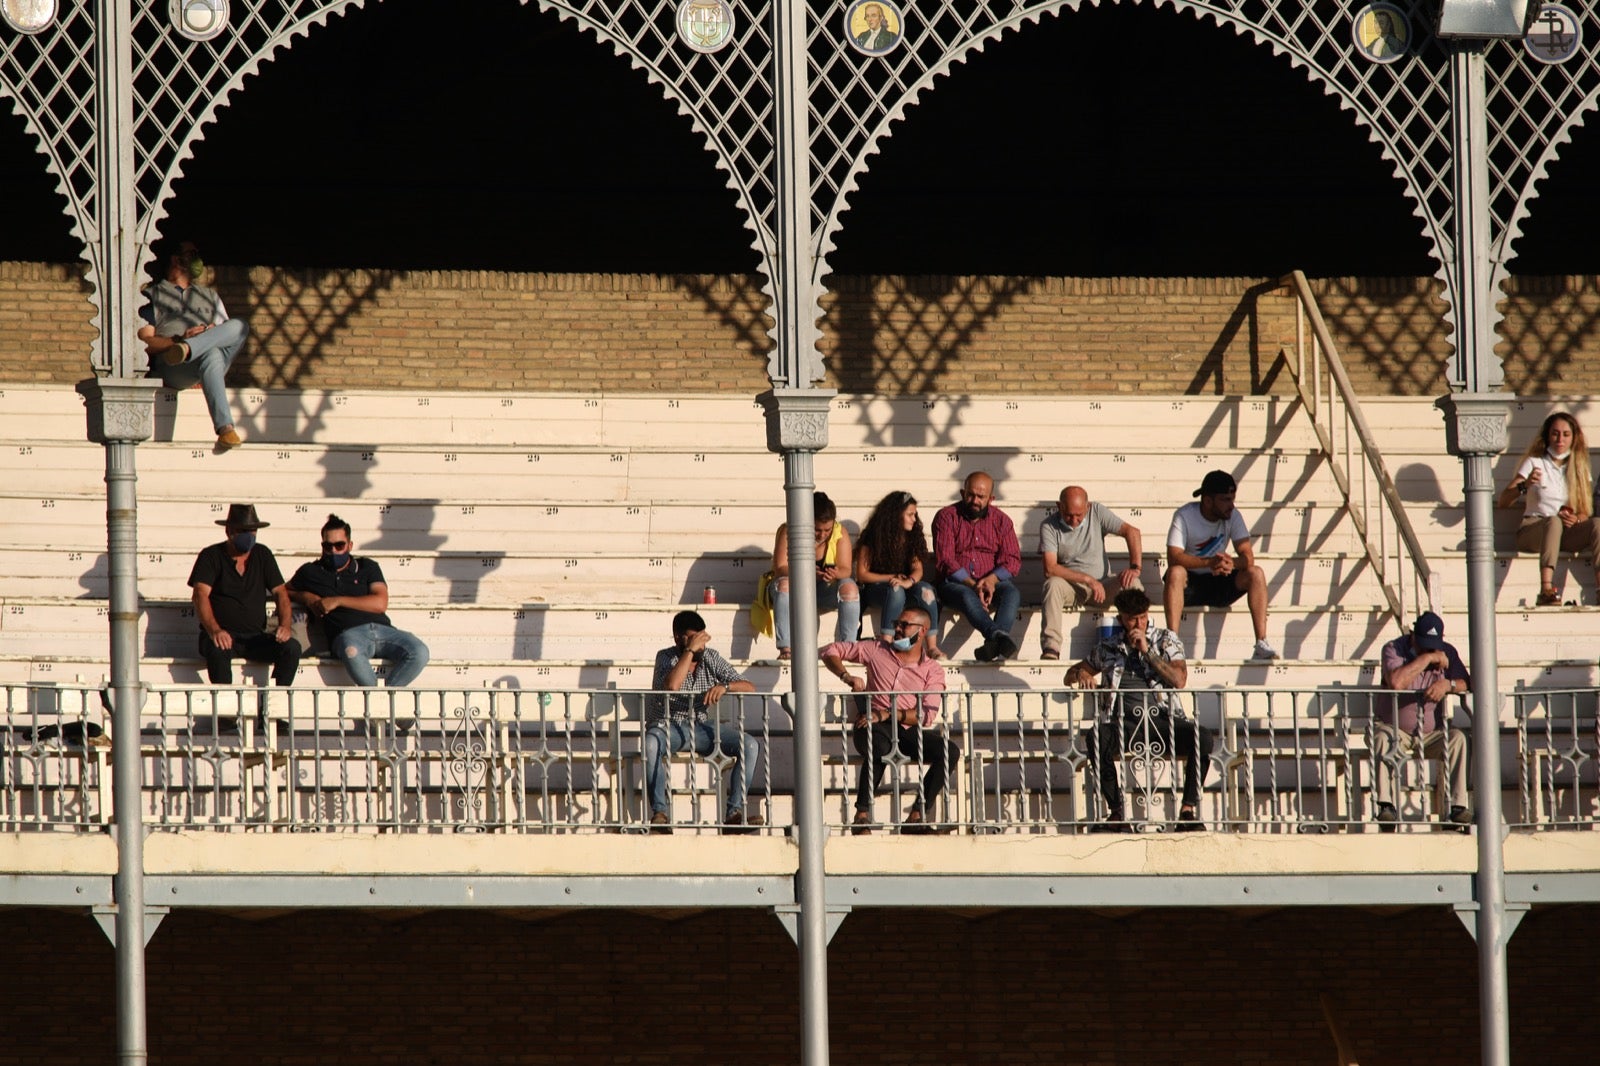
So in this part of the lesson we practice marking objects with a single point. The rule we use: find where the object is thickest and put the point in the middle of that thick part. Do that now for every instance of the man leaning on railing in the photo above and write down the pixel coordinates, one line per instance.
(697, 678)
(1428, 671)
(906, 685)
(1142, 667)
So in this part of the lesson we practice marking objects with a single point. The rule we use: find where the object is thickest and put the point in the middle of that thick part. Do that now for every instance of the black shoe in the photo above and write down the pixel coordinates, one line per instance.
(738, 824)
(987, 653)
(1004, 646)
(1111, 825)
(1386, 817)
(1189, 820)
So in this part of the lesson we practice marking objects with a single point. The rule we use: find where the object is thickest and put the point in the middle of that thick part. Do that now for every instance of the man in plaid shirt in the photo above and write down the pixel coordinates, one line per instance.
(1142, 670)
(697, 679)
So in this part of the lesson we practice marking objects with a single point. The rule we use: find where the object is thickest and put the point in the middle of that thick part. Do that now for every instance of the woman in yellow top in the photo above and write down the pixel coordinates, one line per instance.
(835, 587)
(1555, 487)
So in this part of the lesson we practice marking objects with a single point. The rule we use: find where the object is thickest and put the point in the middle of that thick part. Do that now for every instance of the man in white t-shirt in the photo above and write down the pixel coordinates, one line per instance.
(1073, 549)
(1201, 573)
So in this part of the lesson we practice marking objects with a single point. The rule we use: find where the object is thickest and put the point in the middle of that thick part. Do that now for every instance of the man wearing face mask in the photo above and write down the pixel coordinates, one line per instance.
(190, 338)
(978, 558)
(231, 583)
(349, 595)
(906, 686)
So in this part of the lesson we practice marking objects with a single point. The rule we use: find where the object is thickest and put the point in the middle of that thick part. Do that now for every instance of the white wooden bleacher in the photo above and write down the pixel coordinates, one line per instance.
(547, 539)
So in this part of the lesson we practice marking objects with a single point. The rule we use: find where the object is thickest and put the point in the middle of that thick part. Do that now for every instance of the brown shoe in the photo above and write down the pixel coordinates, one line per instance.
(861, 825)
(737, 823)
(228, 438)
(660, 823)
(178, 353)
(916, 825)
(1550, 597)
(1050, 653)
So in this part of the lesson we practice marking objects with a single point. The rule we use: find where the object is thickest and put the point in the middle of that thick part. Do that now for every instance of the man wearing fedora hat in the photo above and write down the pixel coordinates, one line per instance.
(1428, 671)
(1201, 573)
(231, 583)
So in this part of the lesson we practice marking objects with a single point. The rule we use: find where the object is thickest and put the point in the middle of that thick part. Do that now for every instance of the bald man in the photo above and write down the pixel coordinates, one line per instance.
(977, 560)
(1073, 549)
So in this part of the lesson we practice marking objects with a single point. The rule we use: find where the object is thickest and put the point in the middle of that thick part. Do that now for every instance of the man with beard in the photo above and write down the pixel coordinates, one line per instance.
(977, 559)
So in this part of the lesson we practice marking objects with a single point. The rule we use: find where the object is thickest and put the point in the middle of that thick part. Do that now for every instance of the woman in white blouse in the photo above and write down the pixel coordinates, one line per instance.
(1555, 486)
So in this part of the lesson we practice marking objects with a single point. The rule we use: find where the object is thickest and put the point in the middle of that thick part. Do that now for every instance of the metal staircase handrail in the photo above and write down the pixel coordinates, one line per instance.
(1393, 541)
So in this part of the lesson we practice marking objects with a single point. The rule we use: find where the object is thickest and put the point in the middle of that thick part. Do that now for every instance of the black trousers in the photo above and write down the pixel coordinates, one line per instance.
(255, 648)
(1157, 733)
(924, 746)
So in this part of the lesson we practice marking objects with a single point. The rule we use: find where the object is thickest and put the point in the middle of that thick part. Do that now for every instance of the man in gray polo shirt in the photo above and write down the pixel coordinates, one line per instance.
(1072, 545)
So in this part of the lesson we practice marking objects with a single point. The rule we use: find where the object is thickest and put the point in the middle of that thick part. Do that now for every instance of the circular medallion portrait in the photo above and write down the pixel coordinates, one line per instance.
(1381, 32)
(873, 27)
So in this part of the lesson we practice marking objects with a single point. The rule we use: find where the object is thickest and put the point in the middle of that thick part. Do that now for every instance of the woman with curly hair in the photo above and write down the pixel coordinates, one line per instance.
(889, 564)
(1555, 485)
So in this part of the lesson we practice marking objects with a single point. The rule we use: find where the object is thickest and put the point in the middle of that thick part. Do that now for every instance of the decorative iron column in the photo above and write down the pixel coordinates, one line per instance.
(1477, 434)
(797, 428)
(121, 414)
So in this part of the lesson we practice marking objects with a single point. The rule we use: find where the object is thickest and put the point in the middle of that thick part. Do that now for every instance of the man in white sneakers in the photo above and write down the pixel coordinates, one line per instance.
(1201, 573)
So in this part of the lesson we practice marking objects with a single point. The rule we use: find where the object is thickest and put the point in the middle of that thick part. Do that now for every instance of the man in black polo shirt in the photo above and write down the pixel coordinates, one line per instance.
(349, 594)
(231, 583)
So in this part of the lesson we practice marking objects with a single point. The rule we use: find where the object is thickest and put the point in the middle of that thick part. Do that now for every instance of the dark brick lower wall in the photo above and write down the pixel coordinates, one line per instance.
(907, 986)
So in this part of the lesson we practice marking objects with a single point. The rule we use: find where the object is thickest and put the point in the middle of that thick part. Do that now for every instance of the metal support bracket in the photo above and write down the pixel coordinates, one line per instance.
(105, 914)
(789, 915)
(1468, 914)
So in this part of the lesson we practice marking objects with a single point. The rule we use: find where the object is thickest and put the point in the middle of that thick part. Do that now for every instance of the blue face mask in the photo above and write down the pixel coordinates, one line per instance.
(337, 559)
(243, 542)
(901, 644)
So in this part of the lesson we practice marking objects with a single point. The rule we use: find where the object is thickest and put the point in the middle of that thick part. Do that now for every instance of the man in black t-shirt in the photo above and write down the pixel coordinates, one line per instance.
(231, 583)
(348, 593)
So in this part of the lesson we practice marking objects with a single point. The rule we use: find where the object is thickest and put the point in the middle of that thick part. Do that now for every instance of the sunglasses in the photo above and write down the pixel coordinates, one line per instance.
(902, 625)
(335, 545)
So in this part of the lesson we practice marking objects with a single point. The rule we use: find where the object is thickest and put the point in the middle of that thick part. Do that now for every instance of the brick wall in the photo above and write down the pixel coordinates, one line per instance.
(1229, 987)
(623, 333)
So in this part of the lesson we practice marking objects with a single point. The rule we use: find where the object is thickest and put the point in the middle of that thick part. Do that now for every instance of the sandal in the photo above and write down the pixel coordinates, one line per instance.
(1548, 597)
(783, 655)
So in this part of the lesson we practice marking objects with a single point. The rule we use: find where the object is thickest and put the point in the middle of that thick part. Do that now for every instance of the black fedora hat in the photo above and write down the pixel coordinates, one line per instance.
(242, 516)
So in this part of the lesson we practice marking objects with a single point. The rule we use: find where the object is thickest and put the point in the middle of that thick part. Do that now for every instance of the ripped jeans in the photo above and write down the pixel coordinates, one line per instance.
(357, 646)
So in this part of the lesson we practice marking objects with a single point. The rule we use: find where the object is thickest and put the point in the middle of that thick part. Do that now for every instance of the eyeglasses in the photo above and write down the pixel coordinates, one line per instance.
(902, 624)
(335, 546)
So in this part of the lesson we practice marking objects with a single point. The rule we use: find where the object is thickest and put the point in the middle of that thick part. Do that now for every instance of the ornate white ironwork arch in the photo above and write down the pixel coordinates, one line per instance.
(180, 86)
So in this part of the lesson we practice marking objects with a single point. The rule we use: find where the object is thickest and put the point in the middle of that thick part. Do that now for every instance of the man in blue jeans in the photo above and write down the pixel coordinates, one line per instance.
(349, 595)
(696, 678)
(190, 338)
(977, 559)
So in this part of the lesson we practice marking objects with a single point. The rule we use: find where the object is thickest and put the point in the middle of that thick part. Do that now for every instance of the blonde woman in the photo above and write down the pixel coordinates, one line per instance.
(1555, 486)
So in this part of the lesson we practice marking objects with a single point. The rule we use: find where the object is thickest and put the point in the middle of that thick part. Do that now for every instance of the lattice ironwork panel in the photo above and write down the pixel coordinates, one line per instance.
(855, 98)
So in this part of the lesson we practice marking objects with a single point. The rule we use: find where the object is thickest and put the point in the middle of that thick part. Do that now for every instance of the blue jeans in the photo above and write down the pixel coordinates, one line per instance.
(893, 600)
(210, 355)
(357, 646)
(964, 598)
(664, 737)
(846, 628)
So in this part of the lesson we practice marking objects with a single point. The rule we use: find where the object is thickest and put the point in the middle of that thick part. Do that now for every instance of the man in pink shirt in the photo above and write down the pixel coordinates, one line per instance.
(907, 687)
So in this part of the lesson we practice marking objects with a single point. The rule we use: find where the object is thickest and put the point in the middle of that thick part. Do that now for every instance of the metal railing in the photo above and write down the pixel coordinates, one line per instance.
(574, 761)
(1370, 497)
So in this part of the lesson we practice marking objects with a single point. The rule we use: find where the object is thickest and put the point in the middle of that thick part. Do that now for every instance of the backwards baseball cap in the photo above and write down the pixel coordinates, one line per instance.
(1217, 483)
(1428, 633)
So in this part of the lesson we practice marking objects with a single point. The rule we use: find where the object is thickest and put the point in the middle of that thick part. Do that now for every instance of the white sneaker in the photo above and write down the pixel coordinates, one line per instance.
(1263, 652)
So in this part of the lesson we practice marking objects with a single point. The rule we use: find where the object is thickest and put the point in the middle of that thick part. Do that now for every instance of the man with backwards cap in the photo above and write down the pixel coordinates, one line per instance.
(1201, 573)
(1428, 671)
(232, 582)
